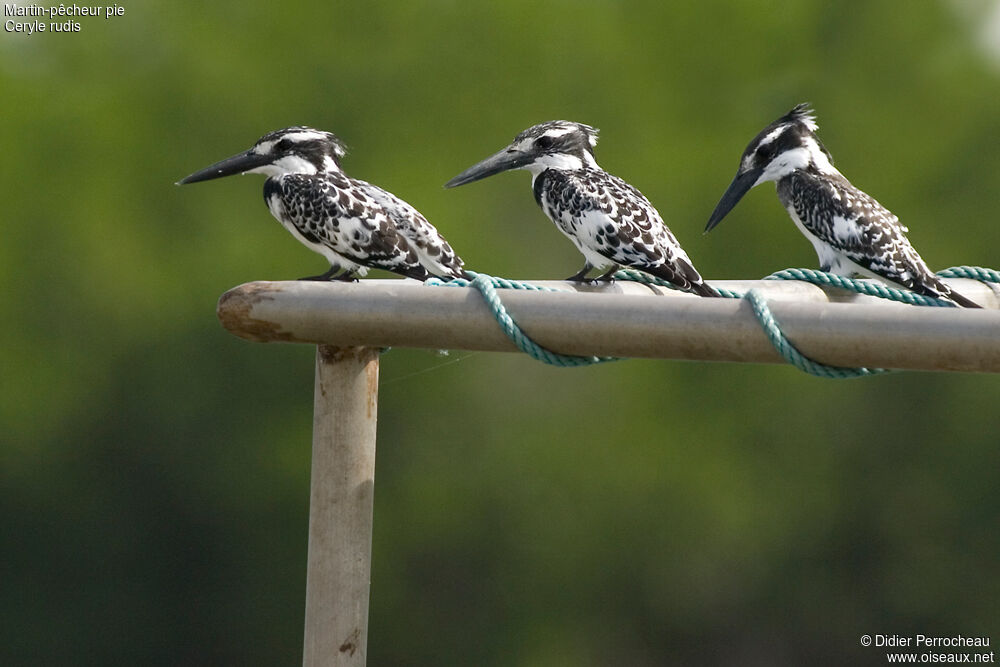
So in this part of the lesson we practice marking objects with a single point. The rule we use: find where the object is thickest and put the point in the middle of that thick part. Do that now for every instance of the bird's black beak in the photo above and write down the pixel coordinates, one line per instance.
(237, 164)
(734, 193)
(504, 160)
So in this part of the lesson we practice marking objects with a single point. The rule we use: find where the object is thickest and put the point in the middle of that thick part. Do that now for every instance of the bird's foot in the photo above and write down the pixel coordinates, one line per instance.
(607, 277)
(581, 276)
(346, 277)
(329, 275)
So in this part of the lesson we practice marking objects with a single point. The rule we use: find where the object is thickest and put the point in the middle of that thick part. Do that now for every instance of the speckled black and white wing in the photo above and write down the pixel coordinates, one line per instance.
(611, 223)
(435, 253)
(853, 233)
(341, 221)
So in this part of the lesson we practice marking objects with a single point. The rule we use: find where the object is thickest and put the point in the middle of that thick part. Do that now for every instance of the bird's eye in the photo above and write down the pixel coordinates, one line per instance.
(544, 141)
(283, 145)
(766, 152)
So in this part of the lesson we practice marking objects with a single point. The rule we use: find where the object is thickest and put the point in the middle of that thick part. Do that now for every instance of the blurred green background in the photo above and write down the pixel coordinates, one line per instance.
(155, 469)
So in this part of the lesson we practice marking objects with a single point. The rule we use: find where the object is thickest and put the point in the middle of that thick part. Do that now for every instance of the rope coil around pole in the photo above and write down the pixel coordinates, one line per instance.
(791, 354)
(488, 286)
(770, 325)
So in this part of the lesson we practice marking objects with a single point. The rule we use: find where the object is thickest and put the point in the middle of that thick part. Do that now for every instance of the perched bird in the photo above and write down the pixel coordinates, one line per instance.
(608, 220)
(355, 225)
(851, 232)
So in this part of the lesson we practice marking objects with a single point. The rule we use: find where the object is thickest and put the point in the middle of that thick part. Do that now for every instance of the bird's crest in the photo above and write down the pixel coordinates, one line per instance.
(803, 114)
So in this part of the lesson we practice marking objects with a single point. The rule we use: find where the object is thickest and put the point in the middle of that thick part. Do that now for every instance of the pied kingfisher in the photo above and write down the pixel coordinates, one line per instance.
(608, 220)
(355, 225)
(851, 232)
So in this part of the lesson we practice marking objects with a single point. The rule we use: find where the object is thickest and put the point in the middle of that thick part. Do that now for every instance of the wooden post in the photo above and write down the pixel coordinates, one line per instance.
(340, 506)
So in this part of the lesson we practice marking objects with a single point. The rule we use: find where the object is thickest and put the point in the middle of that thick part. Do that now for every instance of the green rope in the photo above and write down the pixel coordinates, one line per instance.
(488, 285)
(869, 287)
(800, 361)
(972, 272)
(791, 354)
(770, 325)
(786, 349)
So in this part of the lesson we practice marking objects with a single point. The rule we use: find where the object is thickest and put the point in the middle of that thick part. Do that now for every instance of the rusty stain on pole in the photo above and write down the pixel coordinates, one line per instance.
(340, 506)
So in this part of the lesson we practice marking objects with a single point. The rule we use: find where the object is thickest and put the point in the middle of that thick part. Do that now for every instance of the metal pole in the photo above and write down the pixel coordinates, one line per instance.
(340, 506)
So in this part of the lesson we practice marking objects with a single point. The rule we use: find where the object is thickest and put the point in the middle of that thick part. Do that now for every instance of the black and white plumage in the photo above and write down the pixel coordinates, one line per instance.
(355, 225)
(851, 232)
(610, 222)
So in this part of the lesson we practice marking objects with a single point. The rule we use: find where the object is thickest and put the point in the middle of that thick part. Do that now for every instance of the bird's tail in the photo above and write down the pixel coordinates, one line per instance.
(452, 274)
(962, 301)
(683, 275)
(704, 289)
(943, 291)
(415, 271)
